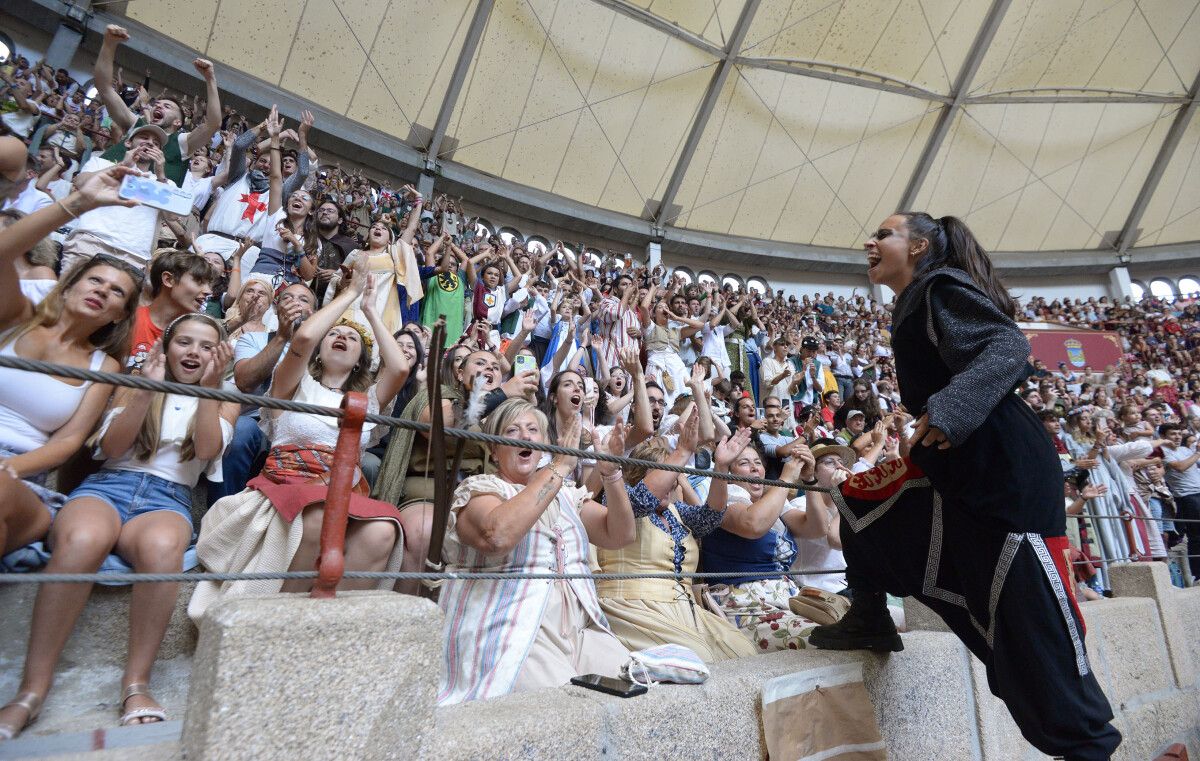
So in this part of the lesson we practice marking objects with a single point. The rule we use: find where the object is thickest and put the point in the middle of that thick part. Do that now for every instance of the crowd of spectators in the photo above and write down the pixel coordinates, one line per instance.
(304, 282)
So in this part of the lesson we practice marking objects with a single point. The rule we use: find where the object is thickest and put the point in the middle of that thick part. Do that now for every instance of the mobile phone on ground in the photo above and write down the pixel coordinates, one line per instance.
(160, 195)
(622, 688)
(524, 363)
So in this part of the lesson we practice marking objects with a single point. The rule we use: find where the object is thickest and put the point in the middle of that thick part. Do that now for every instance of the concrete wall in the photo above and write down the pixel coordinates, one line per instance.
(931, 700)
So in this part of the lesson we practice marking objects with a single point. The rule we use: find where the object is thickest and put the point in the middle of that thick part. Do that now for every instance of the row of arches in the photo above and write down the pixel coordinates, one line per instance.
(594, 257)
(1167, 289)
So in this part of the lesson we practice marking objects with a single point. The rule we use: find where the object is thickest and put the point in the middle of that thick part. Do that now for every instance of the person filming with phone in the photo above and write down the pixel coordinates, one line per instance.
(127, 233)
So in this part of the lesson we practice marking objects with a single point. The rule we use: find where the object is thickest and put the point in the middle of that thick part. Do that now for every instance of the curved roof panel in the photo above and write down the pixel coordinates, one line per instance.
(1047, 125)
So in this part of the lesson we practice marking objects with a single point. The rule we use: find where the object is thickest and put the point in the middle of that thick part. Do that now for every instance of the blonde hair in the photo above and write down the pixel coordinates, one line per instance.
(112, 339)
(654, 450)
(504, 416)
(145, 446)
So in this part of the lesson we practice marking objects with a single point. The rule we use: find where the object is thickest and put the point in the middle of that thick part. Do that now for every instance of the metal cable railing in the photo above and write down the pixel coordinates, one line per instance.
(267, 402)
(287, 405)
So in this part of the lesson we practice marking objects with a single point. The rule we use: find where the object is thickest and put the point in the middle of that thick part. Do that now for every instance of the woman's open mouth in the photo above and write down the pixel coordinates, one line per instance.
(873, 260)
(576, 400)
(190, 365)
(525, 455)
(339, 345)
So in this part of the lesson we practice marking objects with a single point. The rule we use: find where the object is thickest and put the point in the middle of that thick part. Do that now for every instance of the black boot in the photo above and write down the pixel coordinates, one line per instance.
(866, 626)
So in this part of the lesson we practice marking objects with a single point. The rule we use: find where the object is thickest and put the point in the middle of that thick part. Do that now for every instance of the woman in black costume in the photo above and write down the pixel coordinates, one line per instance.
(971, 522)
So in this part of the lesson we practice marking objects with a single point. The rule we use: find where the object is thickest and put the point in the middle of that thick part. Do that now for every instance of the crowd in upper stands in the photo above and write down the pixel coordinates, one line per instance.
(303, 281)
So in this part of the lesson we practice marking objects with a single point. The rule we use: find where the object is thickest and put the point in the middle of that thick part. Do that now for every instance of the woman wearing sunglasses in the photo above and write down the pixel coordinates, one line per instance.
(84, 322)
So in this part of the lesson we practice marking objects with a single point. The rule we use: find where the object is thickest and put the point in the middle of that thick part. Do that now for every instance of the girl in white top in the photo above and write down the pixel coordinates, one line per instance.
(139, 504)
(288, 253)
(84, 322)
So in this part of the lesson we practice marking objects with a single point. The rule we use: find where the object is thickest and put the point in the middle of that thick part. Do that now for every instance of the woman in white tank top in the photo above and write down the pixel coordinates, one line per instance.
(85, 321)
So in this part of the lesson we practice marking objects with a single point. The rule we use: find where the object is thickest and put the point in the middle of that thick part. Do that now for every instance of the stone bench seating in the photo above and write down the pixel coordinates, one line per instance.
(280, 665)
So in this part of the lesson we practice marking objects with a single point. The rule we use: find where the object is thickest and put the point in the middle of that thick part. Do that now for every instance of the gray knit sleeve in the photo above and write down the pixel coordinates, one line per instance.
(985, 350)
(297, 178)
(237, 155)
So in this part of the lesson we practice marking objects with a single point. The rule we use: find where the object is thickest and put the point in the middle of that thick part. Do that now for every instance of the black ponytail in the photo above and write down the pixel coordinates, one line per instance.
(952, 244)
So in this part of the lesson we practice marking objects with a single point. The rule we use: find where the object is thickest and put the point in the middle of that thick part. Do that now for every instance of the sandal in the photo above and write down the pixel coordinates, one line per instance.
(32, 703)
(128, 718)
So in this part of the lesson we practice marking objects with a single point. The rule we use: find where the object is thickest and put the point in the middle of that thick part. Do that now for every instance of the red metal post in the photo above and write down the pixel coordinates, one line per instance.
(331, 563)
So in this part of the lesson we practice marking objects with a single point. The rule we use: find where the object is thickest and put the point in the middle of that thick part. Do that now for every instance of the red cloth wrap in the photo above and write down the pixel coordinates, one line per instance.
(295, 477)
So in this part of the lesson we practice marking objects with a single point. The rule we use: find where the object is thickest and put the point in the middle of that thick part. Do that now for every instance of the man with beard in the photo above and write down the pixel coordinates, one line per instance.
(335, 245)
(164, 113)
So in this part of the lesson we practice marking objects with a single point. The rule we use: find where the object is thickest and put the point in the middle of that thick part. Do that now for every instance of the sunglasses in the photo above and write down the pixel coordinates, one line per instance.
(139, 276)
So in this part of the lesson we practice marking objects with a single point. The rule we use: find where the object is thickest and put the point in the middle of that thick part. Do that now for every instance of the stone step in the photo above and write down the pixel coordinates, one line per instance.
(88, 680)
(101, 633)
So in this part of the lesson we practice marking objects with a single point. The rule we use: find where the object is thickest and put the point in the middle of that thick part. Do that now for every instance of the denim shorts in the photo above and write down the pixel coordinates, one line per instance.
(132, 493)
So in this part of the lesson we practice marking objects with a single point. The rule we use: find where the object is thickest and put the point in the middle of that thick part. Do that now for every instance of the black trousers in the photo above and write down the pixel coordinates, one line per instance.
(1006, 595)
(1189, 507)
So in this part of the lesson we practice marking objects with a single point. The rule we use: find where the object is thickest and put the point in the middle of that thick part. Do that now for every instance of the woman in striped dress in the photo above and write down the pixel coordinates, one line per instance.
(525, 634)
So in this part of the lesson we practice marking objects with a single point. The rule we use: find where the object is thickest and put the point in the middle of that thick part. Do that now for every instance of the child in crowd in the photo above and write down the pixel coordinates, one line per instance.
(138, 506)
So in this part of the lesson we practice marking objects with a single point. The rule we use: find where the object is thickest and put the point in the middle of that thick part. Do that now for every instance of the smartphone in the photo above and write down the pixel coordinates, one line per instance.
(609, 685)
(524, 363)
(159, 195)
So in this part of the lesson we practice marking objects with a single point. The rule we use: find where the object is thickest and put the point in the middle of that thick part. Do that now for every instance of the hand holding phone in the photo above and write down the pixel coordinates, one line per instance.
(524, 363)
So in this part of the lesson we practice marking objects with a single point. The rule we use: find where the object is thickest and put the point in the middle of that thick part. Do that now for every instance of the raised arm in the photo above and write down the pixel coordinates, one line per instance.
(201, 133)
(93, 191)
(643, 421)
(610, 525)
(708, 432)
(662, 482)
(274, 127)
(307, 338)
(414, 221)
(102, 76)
(725, 453)
(495, 526)
(394, 367)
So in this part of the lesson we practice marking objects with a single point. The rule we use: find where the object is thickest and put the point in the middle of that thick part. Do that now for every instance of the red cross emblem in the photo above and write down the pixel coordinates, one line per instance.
(253, 205)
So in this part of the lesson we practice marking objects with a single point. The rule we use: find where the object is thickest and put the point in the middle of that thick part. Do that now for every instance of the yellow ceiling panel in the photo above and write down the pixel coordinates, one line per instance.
(255, 37)
(1173, 214)
(712, 19)
(800, 159)
(404, 83)
(1026, 177)
(1138, 45)
(326, 64)
(559, 90)
(895, 38)
(188, 21)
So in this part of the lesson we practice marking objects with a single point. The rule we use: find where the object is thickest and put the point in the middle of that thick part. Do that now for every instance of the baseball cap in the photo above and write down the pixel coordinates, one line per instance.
(854, 413)
(809, 343)
(156, 130)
